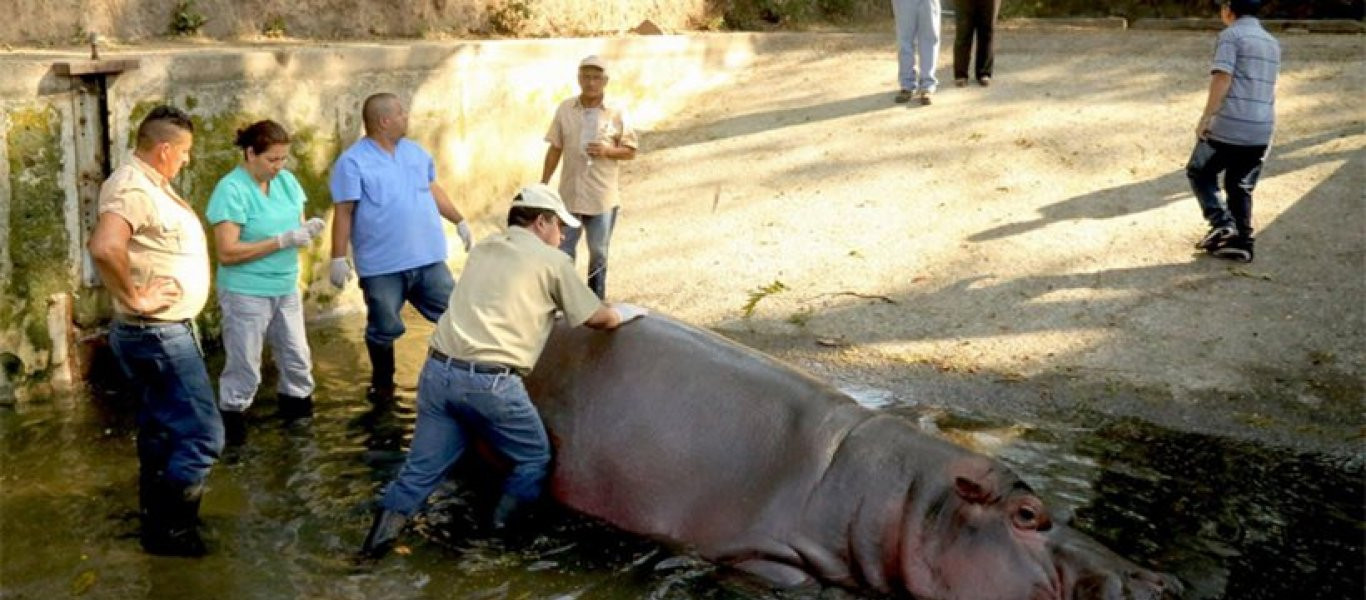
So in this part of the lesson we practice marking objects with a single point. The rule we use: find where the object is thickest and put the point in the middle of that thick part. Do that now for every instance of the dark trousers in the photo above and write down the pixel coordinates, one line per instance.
(1241, 166)
(974, 18)
(179, 431)
(427, 288)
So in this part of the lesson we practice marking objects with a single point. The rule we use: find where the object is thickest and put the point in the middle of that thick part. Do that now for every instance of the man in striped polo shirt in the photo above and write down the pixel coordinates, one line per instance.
(1235, 129)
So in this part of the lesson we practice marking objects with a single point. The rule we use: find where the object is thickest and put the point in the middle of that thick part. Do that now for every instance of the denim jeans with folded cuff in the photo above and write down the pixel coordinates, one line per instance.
(456, 403)
(180, 434)
(1241, 166)
(427, 288)
(597, 230)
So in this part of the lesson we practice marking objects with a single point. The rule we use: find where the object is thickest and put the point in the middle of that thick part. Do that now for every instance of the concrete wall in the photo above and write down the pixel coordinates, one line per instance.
(58, 22)
(481, 108)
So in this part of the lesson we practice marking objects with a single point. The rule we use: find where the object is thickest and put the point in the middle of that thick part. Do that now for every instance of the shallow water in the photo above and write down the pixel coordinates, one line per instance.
(284, 514)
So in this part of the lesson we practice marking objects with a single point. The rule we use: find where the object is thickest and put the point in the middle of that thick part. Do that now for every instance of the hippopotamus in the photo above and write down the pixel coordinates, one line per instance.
(673, 432)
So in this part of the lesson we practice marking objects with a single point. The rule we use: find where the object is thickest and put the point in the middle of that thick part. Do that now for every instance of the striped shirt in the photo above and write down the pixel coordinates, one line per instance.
(1247, 52)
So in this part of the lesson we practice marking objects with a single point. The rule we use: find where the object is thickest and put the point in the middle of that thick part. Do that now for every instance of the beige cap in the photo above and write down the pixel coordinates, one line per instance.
(540, 195)
(593, 60)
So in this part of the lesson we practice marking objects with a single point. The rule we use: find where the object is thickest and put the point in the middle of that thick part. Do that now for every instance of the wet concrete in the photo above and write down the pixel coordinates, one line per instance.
(1235, 519)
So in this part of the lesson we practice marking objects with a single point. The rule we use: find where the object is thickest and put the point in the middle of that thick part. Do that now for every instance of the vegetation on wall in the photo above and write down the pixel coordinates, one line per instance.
(38, 238)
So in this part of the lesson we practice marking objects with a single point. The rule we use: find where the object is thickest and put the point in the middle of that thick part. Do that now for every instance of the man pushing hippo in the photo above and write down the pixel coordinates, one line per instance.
(762, 468)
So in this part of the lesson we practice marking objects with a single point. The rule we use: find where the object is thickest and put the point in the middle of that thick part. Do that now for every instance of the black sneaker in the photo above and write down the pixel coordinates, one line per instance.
(1216, 237)
(1238, 249)
(903, 96)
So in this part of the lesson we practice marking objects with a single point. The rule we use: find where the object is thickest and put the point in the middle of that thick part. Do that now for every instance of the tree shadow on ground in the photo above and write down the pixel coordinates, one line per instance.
(759, 122)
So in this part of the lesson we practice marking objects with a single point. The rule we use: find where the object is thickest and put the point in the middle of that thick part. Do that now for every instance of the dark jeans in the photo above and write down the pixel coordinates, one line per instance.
(455, 403)
(179, 431)
(427, 288)
(598, 231)
(1241, 166)
(974, 17)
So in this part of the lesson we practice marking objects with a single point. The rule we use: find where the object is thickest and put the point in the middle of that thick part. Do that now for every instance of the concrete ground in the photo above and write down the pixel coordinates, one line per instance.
(1025, 250)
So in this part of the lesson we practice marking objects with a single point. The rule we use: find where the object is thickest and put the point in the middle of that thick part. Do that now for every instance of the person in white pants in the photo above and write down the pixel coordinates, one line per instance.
(257, 215)
(917, 36)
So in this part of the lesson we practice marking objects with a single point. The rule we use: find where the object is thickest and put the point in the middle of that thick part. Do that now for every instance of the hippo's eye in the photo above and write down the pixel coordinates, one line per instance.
(1029, 517)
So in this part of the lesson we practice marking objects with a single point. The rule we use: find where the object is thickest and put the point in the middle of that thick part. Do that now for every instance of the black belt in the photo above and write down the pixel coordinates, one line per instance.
(132, 321)
(485, 368)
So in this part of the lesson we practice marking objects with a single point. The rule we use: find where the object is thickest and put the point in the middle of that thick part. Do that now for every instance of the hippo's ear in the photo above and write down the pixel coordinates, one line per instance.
(975, 480)
(971, 491)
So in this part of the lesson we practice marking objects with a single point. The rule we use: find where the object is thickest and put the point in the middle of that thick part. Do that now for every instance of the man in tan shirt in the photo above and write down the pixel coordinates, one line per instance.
(590, 136)
(149, 247)
(496, 325)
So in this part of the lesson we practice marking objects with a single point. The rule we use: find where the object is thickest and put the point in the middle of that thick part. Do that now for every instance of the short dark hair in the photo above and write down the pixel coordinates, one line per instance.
(1242, 8)
(260, 136)
(524, 216)
(376, 107)
(163, 124)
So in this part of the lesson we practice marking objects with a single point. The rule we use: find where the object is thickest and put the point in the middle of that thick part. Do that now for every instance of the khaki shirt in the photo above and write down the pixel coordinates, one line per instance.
(168, 237)
(589, 190)
(503, 306)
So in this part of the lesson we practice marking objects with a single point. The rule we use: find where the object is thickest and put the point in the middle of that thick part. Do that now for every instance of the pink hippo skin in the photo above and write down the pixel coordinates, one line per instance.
(668, 431)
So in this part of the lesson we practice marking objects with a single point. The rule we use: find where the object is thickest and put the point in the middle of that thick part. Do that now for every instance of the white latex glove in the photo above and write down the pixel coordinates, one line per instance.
(463, 228)
(314, 226)
(295, 238)
(339, 272)
(629, 312)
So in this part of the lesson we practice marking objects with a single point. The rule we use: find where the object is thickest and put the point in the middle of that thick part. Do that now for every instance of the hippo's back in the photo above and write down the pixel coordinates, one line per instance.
(667, 430)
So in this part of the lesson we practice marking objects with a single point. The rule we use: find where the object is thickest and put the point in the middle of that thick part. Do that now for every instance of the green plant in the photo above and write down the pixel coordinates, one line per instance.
(274, 27)
(759, 294)
(512, 17)
(186, 19)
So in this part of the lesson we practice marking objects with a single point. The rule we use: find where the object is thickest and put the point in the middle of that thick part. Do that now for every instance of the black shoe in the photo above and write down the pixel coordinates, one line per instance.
(170, 521)
(984, 81)
(1238, 249)
(293, 408)
(960, 82)
(1216, 237)
(903, 96)
(925, 99)
(234, 427)
(384, 531)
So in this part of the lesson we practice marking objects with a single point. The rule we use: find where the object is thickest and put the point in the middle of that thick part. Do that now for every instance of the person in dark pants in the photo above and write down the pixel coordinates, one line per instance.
(974, 18)
(497, 325)
(1234, 131)
(150, 249)
(388, 205)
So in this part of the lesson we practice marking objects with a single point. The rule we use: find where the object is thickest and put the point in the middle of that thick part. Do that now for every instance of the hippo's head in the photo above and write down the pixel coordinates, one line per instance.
(987, 536)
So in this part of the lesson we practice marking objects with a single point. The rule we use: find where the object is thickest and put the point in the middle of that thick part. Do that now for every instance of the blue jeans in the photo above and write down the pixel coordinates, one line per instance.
(427, 288)
(598, 230)
(1241, 166)
(179, 431)
(455, 403)
(917, 35)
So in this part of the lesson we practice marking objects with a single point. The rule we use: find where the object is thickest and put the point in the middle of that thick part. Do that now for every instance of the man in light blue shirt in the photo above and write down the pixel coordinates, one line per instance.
(1235, 129)
(388, 205)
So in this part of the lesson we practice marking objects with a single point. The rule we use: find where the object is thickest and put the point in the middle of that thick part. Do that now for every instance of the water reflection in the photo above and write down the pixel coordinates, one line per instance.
(285, 513)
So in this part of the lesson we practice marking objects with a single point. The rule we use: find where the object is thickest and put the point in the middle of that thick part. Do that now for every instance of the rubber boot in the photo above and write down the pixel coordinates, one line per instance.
(383, 532)
(170, 527)
(292, 408)
(381, 371)
(234, 427)
(507, 513)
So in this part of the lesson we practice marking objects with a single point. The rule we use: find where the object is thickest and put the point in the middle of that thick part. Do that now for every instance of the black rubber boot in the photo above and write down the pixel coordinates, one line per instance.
(381, 371)
(292, 408)
(170, 525)
(507, 513)
(234, 427)
(383, 532)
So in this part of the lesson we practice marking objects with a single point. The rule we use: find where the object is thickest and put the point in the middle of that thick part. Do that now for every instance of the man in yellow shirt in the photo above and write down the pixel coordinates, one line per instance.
(152, 255)
(498, 319)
